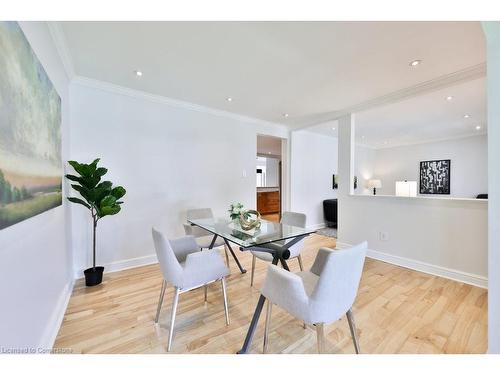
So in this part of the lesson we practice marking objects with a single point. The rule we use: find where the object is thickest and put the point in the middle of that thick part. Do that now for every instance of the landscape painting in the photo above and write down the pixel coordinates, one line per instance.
(30, 131)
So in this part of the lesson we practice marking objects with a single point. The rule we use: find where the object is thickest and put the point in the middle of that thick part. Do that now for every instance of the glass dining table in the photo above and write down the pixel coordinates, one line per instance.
(271, 237)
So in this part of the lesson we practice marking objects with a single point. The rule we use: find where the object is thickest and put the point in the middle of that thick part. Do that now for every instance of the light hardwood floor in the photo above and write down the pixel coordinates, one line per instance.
(397, 311)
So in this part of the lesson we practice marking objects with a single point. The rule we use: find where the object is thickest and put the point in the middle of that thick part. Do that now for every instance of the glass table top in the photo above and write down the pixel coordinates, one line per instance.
(268, 232)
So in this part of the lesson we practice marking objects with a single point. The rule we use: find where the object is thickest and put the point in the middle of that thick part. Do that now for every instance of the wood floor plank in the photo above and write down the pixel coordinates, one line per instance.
(397, 311)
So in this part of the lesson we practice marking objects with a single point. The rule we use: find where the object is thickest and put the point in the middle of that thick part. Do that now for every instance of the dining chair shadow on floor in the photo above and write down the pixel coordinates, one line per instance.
(295, 219)
(185, 267)
(203, 238)
(319, 296)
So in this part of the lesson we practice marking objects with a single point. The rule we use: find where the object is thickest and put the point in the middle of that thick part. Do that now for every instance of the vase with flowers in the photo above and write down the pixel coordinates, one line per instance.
(235, 212)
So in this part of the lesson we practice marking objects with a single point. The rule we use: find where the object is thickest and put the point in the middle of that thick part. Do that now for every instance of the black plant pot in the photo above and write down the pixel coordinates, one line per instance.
(93, 276)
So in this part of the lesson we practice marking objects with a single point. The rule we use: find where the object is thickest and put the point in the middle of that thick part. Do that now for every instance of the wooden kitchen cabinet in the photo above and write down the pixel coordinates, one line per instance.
(268, 202)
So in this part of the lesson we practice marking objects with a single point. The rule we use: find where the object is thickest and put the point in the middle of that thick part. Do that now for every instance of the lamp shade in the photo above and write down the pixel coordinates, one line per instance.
(377, 184)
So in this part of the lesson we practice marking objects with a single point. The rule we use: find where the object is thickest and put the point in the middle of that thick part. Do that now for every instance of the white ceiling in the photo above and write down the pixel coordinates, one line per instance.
(304, 69)
(423, 118)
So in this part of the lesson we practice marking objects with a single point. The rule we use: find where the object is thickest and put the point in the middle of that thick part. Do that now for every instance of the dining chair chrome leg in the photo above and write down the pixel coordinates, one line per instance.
(301, 266)
(224, 295)
(266, 327)
(253, 269)
(205, 288)
(321, 337)
(172, 318)
(227, 255)
(160, 300)
(352, 327)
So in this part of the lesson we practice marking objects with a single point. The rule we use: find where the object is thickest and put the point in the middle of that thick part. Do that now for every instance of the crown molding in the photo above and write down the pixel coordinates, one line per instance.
(138, 94)
(443, 139)
(447, 80)
(62, 48)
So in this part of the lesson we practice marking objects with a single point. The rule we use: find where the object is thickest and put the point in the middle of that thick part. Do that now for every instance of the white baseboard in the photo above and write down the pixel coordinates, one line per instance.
(130, 263)
(125, 264)
(448, 273)
(53, 326)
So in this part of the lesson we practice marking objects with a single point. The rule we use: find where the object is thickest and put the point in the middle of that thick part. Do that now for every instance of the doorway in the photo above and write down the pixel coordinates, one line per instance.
(269, 176)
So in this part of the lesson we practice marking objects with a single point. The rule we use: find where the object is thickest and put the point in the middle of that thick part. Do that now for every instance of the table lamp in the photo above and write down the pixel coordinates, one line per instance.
(374, 184)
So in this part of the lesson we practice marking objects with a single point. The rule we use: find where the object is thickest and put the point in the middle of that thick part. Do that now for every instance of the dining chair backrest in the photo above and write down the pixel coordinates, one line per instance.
(339, 274)
(295, 219)
(199, 213)
(169, 264)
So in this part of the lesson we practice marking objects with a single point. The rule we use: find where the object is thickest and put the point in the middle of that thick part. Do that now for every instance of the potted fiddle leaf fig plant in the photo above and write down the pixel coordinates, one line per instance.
(100, 198)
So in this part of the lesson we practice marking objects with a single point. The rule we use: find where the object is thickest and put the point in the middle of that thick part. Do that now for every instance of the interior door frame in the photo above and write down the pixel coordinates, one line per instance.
(284, 171)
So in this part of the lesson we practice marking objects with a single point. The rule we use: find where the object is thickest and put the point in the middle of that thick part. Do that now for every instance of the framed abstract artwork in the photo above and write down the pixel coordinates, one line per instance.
(435, 176)
(30, 131)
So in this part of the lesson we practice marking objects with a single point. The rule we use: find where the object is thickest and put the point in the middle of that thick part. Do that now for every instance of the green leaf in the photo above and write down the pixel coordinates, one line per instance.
(107, 201)
(99, 172)
(118, 192)
(105, 185)
(82, 169)
(90, 182)
(74, 164)
(100, 194)
(74, 178)
(110, 210)
(93, 166)
(79, 201)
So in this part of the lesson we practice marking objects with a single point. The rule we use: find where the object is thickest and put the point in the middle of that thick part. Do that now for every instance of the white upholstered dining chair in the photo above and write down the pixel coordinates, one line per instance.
(319, 296)
(295, 219)
(185, 267)
(203, 237)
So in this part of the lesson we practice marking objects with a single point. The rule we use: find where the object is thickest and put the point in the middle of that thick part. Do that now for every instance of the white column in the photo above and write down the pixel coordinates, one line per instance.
(492, 31)
(345, 164)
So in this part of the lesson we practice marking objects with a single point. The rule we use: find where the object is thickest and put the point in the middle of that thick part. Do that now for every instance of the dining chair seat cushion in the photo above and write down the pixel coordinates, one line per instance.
(183, 264)
(263, 255)
(205, 241)
(201, 268)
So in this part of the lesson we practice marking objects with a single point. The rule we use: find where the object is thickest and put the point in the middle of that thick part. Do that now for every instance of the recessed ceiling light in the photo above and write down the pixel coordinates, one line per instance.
(363, 137)
(449, 98)
(478, 127)
(285, 115)
(229, 99)
(269, 152)
(466, 116)
(415, 62)
(138, 73)
(333, 128)
(385, 142)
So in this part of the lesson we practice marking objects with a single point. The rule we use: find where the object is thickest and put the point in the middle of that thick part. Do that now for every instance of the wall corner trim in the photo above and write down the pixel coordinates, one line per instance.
(53, 326)
(59, 40)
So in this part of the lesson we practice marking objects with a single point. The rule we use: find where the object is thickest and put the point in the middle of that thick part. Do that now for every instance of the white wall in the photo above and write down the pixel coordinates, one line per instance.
(492, 31)
(469, 164)
(313, 162)
(364, 166)
(445, 237)
(168, 156)
(36, 276)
